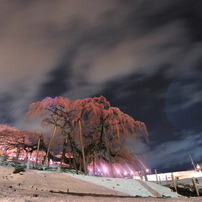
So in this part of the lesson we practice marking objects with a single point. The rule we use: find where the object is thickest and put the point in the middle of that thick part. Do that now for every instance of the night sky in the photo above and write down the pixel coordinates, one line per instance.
(144, 56)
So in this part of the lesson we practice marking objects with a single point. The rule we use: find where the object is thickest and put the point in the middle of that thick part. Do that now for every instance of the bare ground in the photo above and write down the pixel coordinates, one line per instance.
(40, 186)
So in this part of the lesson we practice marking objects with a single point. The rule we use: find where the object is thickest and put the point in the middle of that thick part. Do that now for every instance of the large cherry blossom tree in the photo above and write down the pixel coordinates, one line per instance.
(92, 129)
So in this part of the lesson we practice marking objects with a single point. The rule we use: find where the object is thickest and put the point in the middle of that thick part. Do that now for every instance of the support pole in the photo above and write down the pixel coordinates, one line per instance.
(82, 146)
(37, 153)
(192, 162)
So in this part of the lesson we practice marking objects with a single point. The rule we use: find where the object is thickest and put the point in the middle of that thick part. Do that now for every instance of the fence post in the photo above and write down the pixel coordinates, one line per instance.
(160, 180)
(195, 186)
(174, 182)
(166, 180)
(157, 181)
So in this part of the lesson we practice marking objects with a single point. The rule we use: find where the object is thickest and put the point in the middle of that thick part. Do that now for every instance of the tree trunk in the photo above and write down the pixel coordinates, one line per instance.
(50, 142)
(71, 163)
(72, 149)
(94, 163)
(40, 159)
(82, 147)
(25, 159)
(64, 149)
(28, 160)
(17, 154)
(80, 164)
(108, 152)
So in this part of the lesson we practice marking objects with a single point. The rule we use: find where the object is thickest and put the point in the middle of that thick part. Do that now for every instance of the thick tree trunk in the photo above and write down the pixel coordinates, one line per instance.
(64, 149)
(73, 152)
(71, 162)
(108, 151)
(94, 163)
(17, 154)
(82, 147)
(26, 158)
(50, 142)
(80, 164)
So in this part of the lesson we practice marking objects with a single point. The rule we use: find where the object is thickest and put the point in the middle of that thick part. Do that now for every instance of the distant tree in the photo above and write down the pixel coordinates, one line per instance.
(12, 138)
(8, 139)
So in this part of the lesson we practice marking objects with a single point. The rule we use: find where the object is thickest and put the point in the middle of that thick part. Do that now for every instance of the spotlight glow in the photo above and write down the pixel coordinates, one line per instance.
(105, 169)
(118, 171)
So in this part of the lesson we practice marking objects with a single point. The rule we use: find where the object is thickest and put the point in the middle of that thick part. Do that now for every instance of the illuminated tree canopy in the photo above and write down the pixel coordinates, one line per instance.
(93, 131)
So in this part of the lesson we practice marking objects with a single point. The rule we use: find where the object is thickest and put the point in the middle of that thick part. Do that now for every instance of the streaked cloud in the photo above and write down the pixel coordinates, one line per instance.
(176, 153)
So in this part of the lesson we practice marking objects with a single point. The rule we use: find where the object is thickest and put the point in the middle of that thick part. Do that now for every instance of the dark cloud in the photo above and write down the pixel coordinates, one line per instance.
(56, 85)
(6, 103)
(183, 101)
(174, 155)
(143, 98)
